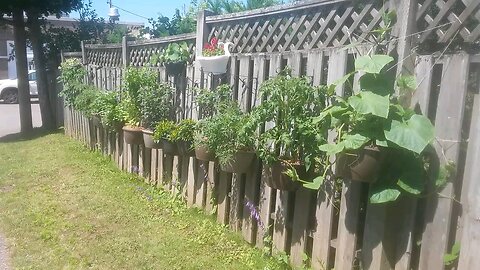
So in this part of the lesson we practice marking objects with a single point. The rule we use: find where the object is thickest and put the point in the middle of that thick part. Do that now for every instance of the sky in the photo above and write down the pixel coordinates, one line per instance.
(144, 8)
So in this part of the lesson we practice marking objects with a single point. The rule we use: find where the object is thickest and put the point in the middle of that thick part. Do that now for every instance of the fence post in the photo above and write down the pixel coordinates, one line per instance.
(202, 30)
(125, 53)
(84, 54)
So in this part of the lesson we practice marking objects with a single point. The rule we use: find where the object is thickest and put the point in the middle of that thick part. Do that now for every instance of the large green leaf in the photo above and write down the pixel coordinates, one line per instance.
(315, 184)
(332, 148)
(372, 64)
(412, 179)
(383, 194)
(370, 103)
(414, 134)
(354, 141)
(381, 84)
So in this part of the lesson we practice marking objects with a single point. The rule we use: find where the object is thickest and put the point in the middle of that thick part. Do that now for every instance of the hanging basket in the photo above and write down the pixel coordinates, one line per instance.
(240, 163)
(185, 148)
(169, 147)
(363, 165)
(277, 178)
(202, 153)
(133, 135)
(214, 64)
(176, 68)
(149, 141)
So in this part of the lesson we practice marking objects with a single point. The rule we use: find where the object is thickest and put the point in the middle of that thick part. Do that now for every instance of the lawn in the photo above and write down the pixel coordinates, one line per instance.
(62, 206)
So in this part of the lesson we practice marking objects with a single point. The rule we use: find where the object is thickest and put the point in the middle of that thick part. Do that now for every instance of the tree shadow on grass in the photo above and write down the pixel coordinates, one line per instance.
(36, 133)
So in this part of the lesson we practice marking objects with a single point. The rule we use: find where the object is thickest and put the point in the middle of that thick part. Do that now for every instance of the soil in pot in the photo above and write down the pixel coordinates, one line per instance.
(176, 68)
(202, 153)
(277, 178)
(133, 135)
(149, 141)
(169, 147)
(240, 163)
(185, 148)
(363, 165)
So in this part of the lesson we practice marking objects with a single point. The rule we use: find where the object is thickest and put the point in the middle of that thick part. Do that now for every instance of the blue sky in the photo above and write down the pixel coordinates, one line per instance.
(145, 8)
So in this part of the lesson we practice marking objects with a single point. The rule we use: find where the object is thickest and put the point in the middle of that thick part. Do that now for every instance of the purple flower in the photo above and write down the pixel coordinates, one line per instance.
(254, 213)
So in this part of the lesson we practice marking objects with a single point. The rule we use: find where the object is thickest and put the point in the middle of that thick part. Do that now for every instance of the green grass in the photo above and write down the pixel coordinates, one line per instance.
(62, 206)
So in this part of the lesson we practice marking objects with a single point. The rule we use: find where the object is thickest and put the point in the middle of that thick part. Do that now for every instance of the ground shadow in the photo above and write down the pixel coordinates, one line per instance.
(36, 133)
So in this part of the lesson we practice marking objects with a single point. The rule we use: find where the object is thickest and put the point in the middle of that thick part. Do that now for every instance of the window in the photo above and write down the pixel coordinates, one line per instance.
(32, 76)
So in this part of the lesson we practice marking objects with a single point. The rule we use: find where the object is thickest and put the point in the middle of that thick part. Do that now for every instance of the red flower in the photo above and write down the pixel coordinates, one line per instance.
(214, 41)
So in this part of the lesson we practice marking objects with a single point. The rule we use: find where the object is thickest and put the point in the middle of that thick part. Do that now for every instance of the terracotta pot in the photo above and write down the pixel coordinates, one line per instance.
(363, 165)
(240, 163)
(185, 148)
(133, 135)
(97, 121)
(277, 179)
(169, 147)
(202, 153)
(149, 141)
(176, 68)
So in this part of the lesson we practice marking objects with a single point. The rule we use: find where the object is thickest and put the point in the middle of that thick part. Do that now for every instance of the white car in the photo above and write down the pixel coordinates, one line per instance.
(9, 88)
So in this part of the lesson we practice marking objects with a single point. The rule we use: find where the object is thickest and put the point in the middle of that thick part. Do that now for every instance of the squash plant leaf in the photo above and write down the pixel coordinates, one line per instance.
(370, 103)
(315, 184)
(372, 64)
(414, 134)
(411, 180)
(331, 148)
(382, 193)
(407, 83)
(379, 84)
(450, 258)
(354, 141)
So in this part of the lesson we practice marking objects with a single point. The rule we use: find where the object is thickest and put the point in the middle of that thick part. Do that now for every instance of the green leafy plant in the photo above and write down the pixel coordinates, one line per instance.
(128, 111)
(209, 100)
(164, 130)
(135, 79)
(289, 105)
(227, 132)
(373, 117)
(85, 99)
(212, 48)
(450, 258)
(184, 131)
(174, 53)
(107, 107)
(156, 103)
(72, 76)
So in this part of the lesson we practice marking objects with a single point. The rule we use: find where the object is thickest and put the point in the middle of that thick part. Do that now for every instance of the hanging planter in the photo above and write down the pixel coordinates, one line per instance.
(202, 153)
(277, 178)
(362, 165)
(133, 135)
(176, 68)
(240, 163)
(149, 141)
(169, 147)
(215, 59)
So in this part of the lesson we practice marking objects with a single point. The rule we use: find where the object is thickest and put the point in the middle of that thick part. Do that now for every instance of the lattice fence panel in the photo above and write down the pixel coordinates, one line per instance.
(142, 54)
(333, 24)
(104, 56)
(441, 21)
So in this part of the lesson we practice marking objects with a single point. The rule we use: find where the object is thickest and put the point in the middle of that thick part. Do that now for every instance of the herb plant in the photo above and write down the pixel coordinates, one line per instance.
(184, 131)
(164, 130)
(155, 103)
(209, 100)
(129, 112)
(72, 76)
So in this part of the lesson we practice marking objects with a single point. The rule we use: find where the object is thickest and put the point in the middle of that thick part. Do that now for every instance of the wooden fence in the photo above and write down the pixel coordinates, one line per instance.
(316, 39)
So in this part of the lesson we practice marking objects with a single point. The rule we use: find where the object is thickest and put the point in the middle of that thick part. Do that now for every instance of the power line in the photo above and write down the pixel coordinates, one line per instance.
(132, 13)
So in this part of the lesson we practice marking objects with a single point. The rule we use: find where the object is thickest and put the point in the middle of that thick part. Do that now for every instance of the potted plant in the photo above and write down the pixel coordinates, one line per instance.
(208, 102)
(72, 76)
(183, 135)
(163, 133)
(110, 114)
(175, 58)
(215, 57)
(85, 102)
(289, 146)
(155, 106)
(378, 140)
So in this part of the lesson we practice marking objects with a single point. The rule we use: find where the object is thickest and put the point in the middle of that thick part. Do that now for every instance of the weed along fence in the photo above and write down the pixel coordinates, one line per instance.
(336, 226)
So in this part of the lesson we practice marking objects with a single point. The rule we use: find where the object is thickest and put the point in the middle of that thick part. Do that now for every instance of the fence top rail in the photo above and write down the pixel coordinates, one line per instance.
(72, 54)
(168, 39)
(273, 10)
(104, 46)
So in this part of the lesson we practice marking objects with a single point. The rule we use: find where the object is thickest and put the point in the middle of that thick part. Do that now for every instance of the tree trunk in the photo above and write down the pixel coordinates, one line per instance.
(22, 73)
(46, 110)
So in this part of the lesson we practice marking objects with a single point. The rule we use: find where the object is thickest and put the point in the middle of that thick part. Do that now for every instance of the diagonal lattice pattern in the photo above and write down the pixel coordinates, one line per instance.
(104, 56)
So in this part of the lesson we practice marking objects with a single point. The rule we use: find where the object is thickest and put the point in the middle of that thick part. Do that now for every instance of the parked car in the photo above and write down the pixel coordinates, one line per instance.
(9, 88)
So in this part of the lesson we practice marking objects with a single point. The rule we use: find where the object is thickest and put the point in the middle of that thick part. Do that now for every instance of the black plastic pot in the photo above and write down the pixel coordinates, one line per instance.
(240, 163)
(133, 135)
(202, 153)
(185, 148)
(176, 68)
(275, 176)
(363, 165)
(149, 141)
(169, 147)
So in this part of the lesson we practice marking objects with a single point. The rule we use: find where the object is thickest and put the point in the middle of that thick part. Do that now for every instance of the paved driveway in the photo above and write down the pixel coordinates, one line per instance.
(10, 118)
